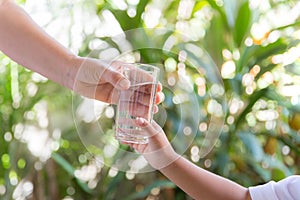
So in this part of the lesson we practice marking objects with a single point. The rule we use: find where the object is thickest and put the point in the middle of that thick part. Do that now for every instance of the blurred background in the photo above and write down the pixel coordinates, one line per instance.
(230, 70)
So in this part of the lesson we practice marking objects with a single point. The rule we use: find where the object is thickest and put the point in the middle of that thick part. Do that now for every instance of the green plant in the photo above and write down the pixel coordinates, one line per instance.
(210, 53)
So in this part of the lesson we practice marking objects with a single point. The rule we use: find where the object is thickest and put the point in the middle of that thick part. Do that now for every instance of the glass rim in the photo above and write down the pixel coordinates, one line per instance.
(142, 64)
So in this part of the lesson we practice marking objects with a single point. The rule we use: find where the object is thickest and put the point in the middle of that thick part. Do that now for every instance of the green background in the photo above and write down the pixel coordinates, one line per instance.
(259, 141)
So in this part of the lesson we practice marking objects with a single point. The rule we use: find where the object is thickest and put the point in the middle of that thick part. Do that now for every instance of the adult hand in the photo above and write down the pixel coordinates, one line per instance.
(102, 80)
(27, 44)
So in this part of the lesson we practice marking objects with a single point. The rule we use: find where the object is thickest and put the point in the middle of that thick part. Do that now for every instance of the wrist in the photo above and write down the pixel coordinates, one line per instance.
(172, 159)
(162, 158)
(72, 68)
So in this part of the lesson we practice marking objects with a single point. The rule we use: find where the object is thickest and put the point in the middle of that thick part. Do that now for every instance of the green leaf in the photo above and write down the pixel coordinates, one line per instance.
(267, 68)
(198, 6)
(70, 170)
(293, 68)
(235, 84)
(264, 52)
(141, 8)
(84, 186)
(263, 173)
(214, 5)
(222, 159)
(127, 22)
(246, 56)
(63, 163)
(276, 163)
(281, 100)
(292, 143)
(253, 145)
(215, 39)
(111, 188)
(278, 174)
(297, 23)
(124, 20)
(257, 53)
(203, 60)
(230, 8)
(242, 23)
(252, 100)
(21, 1)
(147, 190)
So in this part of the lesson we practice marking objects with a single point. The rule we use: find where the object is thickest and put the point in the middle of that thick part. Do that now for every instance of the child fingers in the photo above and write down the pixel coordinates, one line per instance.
(151, 129)
(155, 109)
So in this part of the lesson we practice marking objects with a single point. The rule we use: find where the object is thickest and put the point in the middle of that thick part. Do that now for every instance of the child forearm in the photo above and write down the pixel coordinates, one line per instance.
(201, 184)
(26, 43)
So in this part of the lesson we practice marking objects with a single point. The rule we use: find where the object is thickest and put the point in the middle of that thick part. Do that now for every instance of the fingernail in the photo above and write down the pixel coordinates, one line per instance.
(124, 83)
(140, 121)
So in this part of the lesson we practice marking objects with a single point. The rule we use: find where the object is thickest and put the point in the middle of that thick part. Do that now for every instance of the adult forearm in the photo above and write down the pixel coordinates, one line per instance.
(26, 43)
(201, 184)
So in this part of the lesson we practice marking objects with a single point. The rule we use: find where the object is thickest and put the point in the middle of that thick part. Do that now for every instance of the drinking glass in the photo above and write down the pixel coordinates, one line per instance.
(137, 101)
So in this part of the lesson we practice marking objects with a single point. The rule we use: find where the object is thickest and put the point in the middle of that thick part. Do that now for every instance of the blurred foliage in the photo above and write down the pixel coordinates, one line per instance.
(43, 157)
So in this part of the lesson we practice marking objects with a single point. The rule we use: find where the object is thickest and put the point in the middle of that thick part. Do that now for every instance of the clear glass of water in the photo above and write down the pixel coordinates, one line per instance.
(137, 101)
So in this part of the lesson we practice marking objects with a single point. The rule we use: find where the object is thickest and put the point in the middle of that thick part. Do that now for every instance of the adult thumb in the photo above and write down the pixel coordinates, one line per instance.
(118, 80)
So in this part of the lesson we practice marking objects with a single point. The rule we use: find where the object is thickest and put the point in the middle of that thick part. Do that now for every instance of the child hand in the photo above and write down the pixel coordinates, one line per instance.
(158, 151)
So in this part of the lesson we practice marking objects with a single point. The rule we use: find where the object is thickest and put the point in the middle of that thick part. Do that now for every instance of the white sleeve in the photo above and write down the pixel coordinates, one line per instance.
(286, 189)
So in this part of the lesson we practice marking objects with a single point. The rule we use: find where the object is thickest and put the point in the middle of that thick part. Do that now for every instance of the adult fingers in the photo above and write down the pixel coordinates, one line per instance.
(138, 76)
(115, 78)
(159, 97)
(105, 92)
(159, 87)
